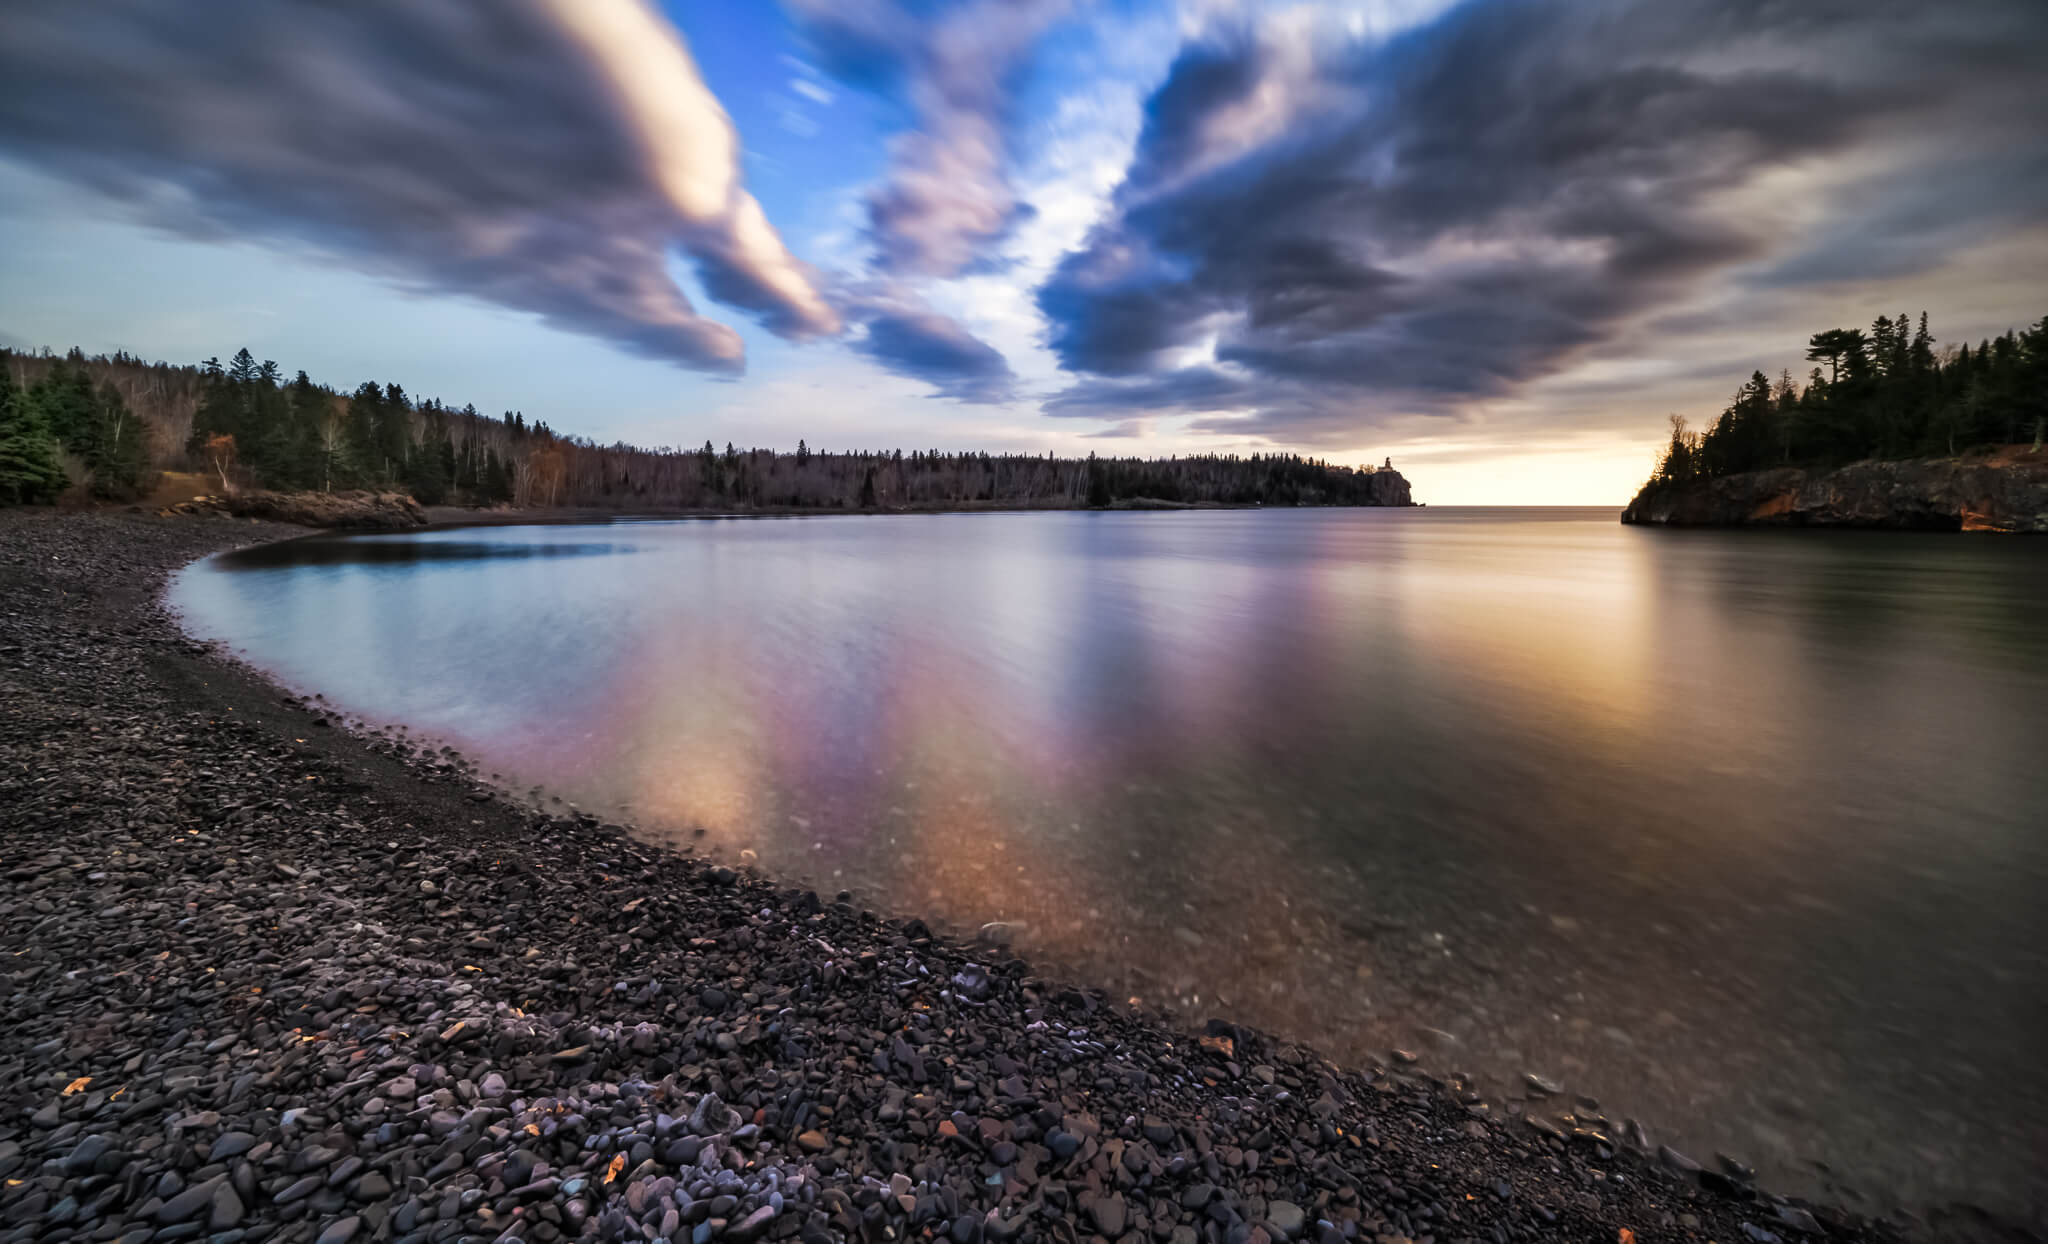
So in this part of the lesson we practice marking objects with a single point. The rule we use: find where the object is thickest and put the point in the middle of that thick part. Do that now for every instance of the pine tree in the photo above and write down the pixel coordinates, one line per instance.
(497, 486)
(361, 441)
(117, 451)
(427, 474)
(65, 397)
(29, 470)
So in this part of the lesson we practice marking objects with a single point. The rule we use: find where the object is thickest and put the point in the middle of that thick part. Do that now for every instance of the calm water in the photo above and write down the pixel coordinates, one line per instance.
(1744, 833)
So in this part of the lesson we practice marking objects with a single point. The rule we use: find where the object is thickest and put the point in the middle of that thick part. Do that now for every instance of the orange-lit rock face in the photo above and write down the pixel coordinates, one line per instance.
(1773, 507)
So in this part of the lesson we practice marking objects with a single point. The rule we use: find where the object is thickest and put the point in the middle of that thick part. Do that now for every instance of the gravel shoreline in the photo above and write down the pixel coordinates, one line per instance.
(268, 980)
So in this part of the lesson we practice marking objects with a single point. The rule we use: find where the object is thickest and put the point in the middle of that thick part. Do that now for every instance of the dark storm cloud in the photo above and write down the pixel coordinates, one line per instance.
(1187, 390)
(1362, 229)
(542, 155)
(934, 348)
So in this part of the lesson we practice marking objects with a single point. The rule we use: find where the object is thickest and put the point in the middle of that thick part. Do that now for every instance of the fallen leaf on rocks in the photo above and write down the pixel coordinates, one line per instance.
(77, 1085)
(618, 1164)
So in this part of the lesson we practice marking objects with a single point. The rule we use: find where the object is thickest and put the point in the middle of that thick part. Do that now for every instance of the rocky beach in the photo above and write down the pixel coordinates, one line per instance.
(272, 979)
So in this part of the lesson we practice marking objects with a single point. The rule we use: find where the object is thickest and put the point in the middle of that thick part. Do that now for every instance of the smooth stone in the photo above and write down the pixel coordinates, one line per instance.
(230, 1145)
(84, 1154)
(1109, 1213)
(372, 1187)
(189, 1202)
(227, 1209)
(1676, 1160)
(340, 1232)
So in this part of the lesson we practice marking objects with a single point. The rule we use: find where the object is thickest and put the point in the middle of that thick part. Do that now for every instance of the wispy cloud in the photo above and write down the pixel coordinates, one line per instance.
(947, 197)
(543, 155)
(946, 202)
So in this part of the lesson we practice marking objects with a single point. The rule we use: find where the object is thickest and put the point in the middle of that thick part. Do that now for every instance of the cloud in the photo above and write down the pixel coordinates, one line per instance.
(543, 155)
(1188, 390)
(947, 198)
(925, 345)
(947, 202)
(1333, 229)
(1129, 429)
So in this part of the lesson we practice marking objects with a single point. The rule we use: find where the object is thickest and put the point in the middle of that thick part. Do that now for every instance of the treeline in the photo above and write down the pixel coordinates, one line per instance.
(247, 426)
(1889, 393)
(64, 429)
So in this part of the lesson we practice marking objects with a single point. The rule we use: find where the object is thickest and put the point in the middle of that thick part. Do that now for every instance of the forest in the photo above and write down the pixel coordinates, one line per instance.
(104, 426)
(1888, 393)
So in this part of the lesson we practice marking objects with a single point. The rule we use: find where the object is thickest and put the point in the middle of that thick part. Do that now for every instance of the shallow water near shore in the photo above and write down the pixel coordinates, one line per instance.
(1743, 833)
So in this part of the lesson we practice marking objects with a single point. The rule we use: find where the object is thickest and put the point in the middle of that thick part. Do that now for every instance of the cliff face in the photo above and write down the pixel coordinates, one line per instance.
(1389, 487)
(2007, 491)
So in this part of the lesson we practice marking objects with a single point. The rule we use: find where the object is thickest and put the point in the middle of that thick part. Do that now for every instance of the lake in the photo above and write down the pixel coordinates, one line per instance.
(1744, 833)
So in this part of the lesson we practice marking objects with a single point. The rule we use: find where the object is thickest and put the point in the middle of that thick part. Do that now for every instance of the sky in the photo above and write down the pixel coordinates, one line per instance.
(1497, 241)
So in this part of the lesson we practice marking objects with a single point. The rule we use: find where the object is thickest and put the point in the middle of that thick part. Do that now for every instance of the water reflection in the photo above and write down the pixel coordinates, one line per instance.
(1738, 831)
(363, 550)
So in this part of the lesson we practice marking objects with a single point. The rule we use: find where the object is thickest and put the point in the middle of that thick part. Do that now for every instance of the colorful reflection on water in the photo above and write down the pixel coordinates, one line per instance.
(1745, 832)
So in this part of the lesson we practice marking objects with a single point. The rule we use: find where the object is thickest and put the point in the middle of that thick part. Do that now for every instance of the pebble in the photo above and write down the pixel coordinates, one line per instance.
(1110, 1213)
(341, 1231)
(1287, 1217)
(230, 1145)
(227, 1208)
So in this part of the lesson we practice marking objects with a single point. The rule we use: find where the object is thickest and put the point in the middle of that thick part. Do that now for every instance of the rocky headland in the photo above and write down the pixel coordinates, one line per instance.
(272, 980)
(2004, 492)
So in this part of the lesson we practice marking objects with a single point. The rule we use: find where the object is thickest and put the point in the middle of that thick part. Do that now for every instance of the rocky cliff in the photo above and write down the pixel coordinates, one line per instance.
(2006, 491)
(1389, 487)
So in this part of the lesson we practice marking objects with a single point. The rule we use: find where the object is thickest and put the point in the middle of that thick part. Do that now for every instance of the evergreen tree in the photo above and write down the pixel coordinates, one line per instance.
(497, 486)
(362, 441)
(66, 400)
(29, 470)
(242, 368)
(1886, 395)
(117, 449)
(427, 474)
(1098, 482)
